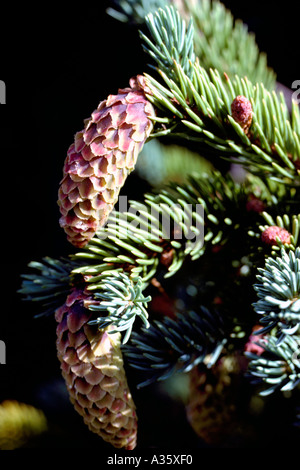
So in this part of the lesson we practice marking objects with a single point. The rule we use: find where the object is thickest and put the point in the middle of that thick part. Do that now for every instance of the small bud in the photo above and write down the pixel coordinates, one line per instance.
(271, 233)
(241, 111)
(255, 204)
(253, 345)
(167, 256)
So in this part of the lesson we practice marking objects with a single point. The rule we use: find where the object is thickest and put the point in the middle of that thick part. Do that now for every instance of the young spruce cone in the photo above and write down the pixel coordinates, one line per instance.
(100, 159)
(92, 366)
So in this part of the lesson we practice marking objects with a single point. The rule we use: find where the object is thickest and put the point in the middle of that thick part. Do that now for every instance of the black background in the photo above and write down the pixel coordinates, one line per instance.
(58, 62)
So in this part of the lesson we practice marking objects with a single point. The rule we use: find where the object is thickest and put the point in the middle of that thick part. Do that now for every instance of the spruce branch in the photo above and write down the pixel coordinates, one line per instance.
(278, 367)
(172, 346)
(160, 233)
(196, 104)
(156, 234)
(225, 44)
(134, 11)
(220, 41)
(123, 300)
(172, 41)
(284, 199)
(278, 292)
(49, 283)
(199, 109)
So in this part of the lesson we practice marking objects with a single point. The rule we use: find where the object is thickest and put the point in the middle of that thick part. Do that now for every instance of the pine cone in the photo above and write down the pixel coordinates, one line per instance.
(101, 158)
(212, 407)
(19, 423)
(92, 366)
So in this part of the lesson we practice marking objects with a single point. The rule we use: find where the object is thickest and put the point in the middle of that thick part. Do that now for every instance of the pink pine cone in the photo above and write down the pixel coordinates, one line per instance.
(92, 366)
(102, 156)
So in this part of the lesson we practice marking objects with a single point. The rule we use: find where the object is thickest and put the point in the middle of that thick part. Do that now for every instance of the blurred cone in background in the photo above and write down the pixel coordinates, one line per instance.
(213, 409)
(19, 423)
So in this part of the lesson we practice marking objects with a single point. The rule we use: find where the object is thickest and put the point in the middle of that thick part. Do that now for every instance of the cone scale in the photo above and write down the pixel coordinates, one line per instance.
(92, 367)
(102, 156)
